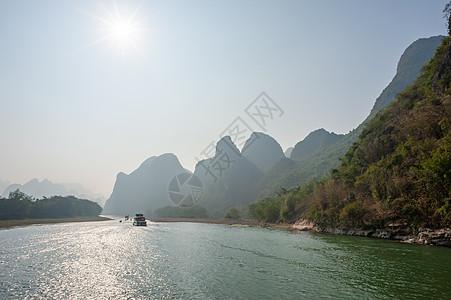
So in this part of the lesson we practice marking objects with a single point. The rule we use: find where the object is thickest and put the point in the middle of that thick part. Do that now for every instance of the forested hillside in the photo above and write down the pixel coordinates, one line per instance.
(397, 172)
(315, 157)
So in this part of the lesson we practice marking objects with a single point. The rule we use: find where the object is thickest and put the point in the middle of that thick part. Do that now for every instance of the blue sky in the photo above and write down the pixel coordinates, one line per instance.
(79, 107)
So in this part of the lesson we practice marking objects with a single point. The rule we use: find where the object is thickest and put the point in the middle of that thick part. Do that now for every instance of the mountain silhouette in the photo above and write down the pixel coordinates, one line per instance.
(146, 188)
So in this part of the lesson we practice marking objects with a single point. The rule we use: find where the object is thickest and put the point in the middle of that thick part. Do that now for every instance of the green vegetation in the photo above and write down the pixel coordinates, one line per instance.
(233, 214)
(321, 151)
(20, 206)
(192, 212)
(397, 172)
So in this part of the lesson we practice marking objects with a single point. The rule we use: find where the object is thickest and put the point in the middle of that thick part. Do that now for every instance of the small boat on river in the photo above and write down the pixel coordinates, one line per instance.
(139, 220)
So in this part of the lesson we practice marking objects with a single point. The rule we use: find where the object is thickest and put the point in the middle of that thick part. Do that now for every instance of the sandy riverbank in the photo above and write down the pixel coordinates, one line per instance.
(26, 222)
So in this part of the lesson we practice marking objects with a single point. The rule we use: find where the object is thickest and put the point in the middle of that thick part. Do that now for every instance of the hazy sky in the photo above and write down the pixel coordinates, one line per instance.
(84, 95)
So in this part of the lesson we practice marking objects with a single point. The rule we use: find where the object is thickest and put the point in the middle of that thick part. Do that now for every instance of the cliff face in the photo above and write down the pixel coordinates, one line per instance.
(146, 188)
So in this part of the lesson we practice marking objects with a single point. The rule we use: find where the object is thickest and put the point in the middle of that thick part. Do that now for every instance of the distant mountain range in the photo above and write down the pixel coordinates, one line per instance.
(45, 188)
(236, 178)
(230, 178)
(3, 186)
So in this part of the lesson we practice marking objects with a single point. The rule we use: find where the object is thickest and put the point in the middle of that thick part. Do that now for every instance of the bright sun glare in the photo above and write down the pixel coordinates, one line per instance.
(121, 30)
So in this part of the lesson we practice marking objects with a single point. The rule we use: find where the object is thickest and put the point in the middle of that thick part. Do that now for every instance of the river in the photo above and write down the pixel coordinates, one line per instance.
(112, 260)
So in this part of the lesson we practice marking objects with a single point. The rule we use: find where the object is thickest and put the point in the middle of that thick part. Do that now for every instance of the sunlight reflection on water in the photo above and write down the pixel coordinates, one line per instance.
(109, 259)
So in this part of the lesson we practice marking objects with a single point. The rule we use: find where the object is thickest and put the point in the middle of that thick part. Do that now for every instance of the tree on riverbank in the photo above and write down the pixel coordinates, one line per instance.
(21, 206)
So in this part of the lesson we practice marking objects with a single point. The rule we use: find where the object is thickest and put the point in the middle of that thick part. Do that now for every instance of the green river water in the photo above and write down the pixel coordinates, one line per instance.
(112, 260)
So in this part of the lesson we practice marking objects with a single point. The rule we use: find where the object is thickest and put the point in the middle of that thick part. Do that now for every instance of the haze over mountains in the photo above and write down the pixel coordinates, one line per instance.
(316, 140)
(232, 177)
(45, 188)
(3, 186)
(262, 150)
(288, 152)
(145, 188)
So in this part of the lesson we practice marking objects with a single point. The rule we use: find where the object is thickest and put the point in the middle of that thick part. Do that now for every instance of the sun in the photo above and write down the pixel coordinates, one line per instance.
(124, 32)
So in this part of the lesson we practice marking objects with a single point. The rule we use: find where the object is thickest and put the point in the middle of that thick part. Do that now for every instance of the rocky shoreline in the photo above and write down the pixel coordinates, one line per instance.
(401, 232)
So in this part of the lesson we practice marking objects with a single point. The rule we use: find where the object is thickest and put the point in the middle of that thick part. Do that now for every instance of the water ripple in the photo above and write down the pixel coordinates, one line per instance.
(112, 260)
